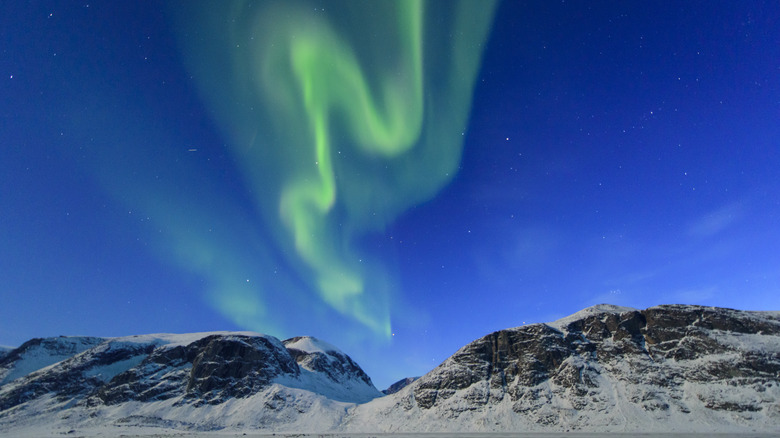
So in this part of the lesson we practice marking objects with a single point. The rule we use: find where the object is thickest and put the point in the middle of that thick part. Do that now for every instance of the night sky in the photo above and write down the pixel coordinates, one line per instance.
(397, 179)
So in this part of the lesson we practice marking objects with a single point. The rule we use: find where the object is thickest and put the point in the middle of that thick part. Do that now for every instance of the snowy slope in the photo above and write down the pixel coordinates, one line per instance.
(40, 353)
(326, 370)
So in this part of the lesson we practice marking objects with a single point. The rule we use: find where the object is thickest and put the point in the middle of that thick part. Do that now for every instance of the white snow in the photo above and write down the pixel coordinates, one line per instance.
(174, 340)
(589, 311)
(108, 372)
(351, 391)
(748, 341)
(311, 344)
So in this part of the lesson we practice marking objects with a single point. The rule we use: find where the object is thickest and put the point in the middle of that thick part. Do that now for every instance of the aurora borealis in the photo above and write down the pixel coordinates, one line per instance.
(339, 122)
(396, 178)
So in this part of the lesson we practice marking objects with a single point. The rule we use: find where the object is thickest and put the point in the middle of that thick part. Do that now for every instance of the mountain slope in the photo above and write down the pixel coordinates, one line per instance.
(328, 371)
(603, 369)
(39, 353)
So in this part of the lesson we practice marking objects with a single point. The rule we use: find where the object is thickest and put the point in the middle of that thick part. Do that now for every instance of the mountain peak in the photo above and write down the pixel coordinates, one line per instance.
(590, 311)
(329, 371)
(310, 344)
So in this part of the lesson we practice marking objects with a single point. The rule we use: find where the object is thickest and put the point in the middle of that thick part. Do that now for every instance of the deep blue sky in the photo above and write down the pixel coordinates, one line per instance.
(619, 152)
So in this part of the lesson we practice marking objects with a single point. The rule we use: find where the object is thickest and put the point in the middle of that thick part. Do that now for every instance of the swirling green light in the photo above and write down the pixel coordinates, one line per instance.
(330, 79)
(340, 119)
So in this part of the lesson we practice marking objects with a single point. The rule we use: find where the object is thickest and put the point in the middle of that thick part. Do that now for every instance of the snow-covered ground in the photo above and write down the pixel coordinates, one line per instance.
(157, 433)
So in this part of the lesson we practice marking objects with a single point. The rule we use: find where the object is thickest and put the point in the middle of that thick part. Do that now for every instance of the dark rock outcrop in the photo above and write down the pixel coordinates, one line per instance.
(237, 366)
(145, 382)
(399, 385)
(210, 370)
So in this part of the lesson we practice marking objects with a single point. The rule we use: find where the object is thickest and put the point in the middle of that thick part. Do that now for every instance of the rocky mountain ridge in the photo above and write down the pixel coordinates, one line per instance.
(606, 368)
(609, 368)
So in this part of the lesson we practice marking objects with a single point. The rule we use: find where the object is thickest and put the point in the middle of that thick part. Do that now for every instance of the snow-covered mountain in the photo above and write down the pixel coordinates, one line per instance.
(328, 371)
(203, 381)
(606, 368)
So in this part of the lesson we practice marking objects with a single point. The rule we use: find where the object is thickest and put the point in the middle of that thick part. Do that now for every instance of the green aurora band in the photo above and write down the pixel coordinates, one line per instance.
(340, 118)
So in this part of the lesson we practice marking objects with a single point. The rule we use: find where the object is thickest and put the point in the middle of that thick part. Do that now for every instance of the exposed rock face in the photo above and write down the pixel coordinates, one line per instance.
(605, 360)
(211, 370)
(237, 367)
(399, 385)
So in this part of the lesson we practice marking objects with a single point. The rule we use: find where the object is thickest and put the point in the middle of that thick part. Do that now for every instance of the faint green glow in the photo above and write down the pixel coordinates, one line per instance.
(330, 79)
(340, 118)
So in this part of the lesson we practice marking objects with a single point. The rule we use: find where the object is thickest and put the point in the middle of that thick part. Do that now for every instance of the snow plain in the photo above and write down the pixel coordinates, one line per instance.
(156, 434)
